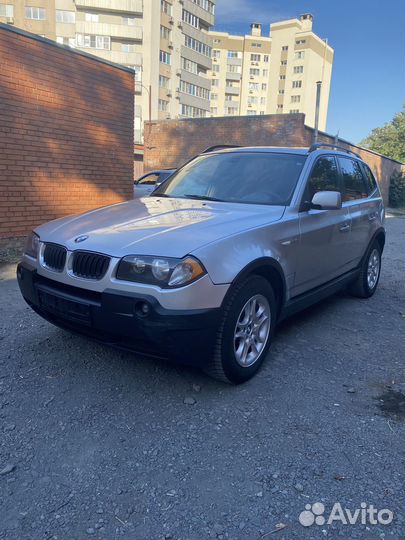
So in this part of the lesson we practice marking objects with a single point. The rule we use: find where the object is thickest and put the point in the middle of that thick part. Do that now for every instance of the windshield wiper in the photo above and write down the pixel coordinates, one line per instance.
(203, 198)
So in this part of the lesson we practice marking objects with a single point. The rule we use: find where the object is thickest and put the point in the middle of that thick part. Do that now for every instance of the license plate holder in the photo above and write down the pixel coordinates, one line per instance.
(65, 308)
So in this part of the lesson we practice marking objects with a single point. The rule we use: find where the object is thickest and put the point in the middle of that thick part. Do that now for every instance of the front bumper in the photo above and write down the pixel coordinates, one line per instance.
(118, 318)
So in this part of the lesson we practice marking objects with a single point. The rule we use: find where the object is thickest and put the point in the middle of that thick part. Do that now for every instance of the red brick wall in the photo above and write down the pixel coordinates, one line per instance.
(66, 133)
(169, 143)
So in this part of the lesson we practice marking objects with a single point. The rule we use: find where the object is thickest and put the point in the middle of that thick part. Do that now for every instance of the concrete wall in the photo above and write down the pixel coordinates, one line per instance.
(169, 143)
(66, 133)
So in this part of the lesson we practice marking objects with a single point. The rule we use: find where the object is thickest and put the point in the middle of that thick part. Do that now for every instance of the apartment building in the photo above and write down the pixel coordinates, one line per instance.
(256, 74)
(166, 42)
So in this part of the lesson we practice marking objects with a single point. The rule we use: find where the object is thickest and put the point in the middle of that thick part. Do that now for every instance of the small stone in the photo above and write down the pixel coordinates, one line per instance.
(9, 427)
(90, 530)
(8, 469)
(189, 400)
(99, 511)
(299, 487)
(351, 390)
(259, 494)
(196, 388)
(242, 525)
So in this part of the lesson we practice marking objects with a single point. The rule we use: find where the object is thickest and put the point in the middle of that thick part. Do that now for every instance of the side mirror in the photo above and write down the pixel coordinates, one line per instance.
(327, 200)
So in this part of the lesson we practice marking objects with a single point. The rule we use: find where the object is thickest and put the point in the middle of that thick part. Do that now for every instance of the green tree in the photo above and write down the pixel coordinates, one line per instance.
(389, 139)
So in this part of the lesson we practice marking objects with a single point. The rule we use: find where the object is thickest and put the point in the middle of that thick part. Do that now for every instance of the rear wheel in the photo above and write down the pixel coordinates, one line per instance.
(245, 332)
(367, 281)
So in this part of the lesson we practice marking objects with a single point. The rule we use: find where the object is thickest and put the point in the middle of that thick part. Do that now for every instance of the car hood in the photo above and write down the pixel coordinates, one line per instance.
(156, 226)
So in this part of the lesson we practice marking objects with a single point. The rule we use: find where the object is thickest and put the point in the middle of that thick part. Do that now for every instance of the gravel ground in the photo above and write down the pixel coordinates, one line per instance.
(97, 443)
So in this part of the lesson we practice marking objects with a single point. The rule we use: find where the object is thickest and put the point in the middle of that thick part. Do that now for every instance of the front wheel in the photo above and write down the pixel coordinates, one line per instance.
(367, 281)
(245, 332)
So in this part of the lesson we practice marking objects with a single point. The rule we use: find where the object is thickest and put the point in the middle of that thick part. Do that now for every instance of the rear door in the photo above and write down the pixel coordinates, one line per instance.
(322, 250)
(361, 198)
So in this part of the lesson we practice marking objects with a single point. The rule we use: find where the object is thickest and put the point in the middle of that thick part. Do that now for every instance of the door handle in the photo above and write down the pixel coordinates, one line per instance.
(289, 242)
(344, 228)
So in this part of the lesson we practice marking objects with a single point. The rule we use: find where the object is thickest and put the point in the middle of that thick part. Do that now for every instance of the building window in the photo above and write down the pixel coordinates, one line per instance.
(194, 90)
(298, 69)
(251, 112)
(255, 57)
(91, 17)
(189, 65)
(35, 13)
(215, 68)
(294, 111)
(254, 72)
(138, 73)
(295, 99)
(93, 42)
(215, 82)
(264, 87)
(191, 19)
(205, 4)
(234, 54)
(217, 41)
(216, 53)
(254, 86)
(192, 112)
(257, 45)
(261, 113)
(300, 41)
(165, 7)
(252, 100)
(214, 110)
(163, 81)
(296, 84)
(265, 73)
(283, 62)
(262, 101)
(127, 47)
(71, 42)
(198, 46)
(163, 105)
(231, 68)
(299, 55)
(284, 48)
(266, 58)
(214, 97)
(164, 32)
(65, 16)
(129, 21)
(6, 10)
(165, 57)
(282, 77)
(280, 106)
(231, 111)
(281, 92)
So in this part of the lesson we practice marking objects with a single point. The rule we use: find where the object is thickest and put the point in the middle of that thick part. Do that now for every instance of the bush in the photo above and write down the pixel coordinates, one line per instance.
(397, 189)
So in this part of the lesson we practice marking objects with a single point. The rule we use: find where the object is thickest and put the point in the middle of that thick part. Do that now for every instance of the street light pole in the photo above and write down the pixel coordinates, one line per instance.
(318, 100)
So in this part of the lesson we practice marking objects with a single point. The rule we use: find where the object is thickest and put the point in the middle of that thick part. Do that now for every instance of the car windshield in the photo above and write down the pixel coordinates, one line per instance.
(239, 177)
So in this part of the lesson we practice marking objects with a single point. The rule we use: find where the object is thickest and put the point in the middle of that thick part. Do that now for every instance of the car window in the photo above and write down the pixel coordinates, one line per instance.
(370, 180)
(148, 180)
(324, 177)
(353, 180)
(242, 177)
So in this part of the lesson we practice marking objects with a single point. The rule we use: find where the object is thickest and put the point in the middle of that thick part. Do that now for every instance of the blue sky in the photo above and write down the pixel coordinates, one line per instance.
(368, 36)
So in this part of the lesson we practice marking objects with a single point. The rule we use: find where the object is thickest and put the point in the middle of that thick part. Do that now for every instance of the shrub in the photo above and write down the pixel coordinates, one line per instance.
(397, 189)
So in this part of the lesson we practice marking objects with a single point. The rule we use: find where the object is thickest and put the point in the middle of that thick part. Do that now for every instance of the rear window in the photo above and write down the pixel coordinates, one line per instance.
(370, 180)
(241, 177)
(353, 181)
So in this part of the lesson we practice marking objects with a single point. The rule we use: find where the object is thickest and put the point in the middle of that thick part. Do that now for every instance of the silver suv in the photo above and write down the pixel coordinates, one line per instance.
(203, 269)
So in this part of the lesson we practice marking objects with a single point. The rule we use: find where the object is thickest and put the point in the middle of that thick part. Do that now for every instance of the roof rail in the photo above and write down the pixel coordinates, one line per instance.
(219, 147)
(316, 146)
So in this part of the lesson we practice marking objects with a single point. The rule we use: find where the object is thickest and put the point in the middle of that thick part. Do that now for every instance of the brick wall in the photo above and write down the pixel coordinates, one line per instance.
(169, 143)
(66, 133)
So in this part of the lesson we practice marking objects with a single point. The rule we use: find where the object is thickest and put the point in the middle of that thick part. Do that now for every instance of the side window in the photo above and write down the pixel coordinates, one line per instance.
(353, 180)
(324, 177)
(149, 180)
(370, 180)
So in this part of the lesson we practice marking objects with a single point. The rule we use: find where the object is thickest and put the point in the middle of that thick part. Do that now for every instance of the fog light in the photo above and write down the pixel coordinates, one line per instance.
(142, 309)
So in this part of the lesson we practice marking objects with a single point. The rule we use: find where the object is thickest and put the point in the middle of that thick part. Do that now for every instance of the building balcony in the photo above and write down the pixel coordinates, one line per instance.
(118, 57)
(233, 90)
(231, 103)
(123, 6)
(233, 76)
(113, 30)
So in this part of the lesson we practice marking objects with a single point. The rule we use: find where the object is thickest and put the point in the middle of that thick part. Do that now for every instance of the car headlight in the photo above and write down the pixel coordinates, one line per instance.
(32, 245)
(166, 272)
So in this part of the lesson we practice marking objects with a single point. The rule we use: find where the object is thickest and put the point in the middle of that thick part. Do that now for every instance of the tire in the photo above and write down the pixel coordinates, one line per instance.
(254, 294)
(367, 281)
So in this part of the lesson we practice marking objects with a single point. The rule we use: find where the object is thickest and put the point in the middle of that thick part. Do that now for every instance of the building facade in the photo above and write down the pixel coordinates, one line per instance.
(257, 75)
(166, 42)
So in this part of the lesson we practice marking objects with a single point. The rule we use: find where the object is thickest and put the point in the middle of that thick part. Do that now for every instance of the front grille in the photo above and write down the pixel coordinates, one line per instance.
(89, 265)
(54, 257)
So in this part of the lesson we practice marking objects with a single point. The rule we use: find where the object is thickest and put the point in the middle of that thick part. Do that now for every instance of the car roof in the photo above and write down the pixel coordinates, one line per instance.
(283, 150)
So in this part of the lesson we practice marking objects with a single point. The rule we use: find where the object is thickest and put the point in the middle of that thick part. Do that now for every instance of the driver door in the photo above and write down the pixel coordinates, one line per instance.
(322, 249)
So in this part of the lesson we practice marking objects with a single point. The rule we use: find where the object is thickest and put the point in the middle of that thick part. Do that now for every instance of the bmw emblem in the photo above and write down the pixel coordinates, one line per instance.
(81, 238)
